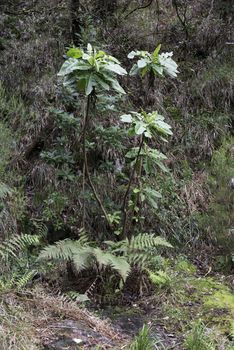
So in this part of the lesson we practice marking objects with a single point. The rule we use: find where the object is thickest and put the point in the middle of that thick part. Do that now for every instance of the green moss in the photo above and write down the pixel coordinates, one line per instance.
(204, 285)
(222, 299)
(183, 265)
(216, 303)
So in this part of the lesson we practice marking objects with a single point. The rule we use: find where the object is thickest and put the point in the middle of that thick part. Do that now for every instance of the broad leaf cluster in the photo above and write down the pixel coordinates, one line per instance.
(86, 70)
(159, 64)
(147, 124)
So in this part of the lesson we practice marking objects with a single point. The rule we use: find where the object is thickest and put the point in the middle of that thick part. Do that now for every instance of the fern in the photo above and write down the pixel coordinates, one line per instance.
(16, 280)
(4, 190)
(16, 264)
(120, 256)
(41, 229)
(85, 256)
(23, 280)
(10, 247)
(139, 250)
(147, 241)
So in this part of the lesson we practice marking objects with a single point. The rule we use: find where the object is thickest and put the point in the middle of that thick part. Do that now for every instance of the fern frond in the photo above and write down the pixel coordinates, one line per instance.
(147, 241)
(84, 239)
(4, 190)
(121, 265)
(117, 263)
(61, 250)
(139, 250)
(10, 247)
(85, 256)
(22, 281)
(40, 228)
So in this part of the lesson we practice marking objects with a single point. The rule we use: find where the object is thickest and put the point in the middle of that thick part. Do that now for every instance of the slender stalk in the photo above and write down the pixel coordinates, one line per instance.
(139, 180)
(95, 192)
(124, 206)
(86, 113)
(86, 169)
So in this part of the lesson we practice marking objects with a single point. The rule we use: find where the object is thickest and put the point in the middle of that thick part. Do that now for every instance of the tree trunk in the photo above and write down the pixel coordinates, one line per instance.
(75, 21)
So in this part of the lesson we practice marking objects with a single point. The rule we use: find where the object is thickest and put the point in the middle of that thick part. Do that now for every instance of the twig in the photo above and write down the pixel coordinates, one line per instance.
(139, 8)
(182, 20)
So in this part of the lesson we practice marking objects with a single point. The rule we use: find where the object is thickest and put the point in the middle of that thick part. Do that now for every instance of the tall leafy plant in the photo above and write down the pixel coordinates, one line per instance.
(146, 127)
(87, 74)
(89, 71)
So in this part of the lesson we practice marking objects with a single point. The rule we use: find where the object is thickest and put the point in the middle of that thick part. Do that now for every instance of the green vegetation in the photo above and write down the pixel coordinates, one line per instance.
(198, 339)
(116, 176)
(142, 341)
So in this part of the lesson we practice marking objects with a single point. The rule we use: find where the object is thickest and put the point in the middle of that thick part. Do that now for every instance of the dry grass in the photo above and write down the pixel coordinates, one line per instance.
(29, 319)
(195, 193)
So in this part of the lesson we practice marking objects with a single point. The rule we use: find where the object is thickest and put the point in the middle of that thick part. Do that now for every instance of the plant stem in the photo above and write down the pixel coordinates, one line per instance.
(86, 114)
(124, 206)
(86, 168)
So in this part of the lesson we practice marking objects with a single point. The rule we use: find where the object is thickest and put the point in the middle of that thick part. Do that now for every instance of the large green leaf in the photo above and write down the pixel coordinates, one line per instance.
(84, 70)
(68, 66)
(142, 63)
(116, 68)
(90, 83)
(102, 83)
(163, 127)
(169, 65)
(155, 53)
(126, 118)
(158, 63)
(117, 87)
(140, 128)
(134, 70)
(132, 54)
(74, 52)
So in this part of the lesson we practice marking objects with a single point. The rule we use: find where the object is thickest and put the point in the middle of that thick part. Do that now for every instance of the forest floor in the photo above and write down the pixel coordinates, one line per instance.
(36, 319)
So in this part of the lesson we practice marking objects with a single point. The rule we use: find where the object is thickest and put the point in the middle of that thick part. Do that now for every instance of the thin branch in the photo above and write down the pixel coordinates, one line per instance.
(139, 8)
(182, 20)
(126, 6)
(124, 206)
(86, 169)
(86, 113)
